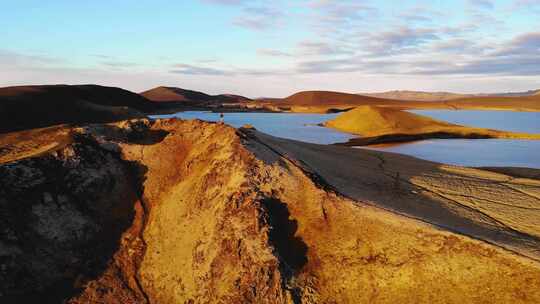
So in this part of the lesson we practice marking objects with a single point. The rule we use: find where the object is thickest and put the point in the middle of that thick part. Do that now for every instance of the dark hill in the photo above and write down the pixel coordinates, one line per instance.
(312, 101)
(27, 107)
(317, 98)
(185, 97)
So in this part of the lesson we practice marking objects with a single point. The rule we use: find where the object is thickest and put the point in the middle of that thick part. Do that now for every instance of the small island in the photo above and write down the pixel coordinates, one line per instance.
(382, 125)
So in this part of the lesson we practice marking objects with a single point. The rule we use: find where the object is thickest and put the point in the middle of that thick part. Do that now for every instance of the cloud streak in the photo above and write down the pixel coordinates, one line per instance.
(10, 58)
(400, 40)
(259, 18)
(225, 2)
(293, 42)
(273, 53)
(484, 4)
(188, 69)
(516, 57)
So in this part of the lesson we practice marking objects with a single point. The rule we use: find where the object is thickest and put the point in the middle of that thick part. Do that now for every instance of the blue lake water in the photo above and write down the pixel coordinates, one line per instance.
(473, 152)
(528, 122)
(302, 127)
(465, 152)
(479, 152)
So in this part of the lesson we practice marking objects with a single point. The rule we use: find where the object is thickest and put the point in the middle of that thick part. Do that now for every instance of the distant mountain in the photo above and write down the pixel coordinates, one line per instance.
(417, 95)
(27, 107)
(442, 96)
(514, 94)
(189, 97)
(325, 101)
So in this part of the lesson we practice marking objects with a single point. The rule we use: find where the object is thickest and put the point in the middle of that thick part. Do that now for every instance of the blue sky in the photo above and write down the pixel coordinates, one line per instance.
(274, 48)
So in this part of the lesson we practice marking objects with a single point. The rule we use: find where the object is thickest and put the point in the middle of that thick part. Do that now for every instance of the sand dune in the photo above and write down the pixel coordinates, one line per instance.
(386, 125)
(27, 107)
(192, 212)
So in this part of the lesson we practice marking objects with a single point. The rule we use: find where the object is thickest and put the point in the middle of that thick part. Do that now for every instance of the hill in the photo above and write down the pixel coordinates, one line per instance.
(26, 107)
(513, 94)
(387, 125)
(416, 95)
(327, 98)
(376, 121)
(174, 211)
(325, 101)
(191, 98)
(442, 96)
(504, 103)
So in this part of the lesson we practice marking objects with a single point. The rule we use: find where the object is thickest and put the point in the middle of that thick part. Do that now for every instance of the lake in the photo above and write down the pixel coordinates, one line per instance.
(473, 152)
(465, 152)
(528, 122)
(302, 127)
(479, 152)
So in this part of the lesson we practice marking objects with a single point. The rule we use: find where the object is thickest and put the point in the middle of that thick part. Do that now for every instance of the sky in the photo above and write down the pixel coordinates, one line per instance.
(274, 48)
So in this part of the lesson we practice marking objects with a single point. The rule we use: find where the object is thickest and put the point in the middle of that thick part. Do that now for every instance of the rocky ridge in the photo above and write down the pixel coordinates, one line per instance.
(178, 211)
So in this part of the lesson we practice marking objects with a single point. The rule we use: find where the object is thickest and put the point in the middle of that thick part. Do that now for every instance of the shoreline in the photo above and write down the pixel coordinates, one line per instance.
(331, 109)
(397, 138)
(380, 125)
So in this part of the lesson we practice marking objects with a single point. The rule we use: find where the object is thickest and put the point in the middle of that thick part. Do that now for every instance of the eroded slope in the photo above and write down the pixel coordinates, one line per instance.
(218, 215)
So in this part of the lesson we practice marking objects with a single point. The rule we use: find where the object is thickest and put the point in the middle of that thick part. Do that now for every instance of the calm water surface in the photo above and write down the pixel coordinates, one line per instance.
(528, 122)
(473, 152)
(479, 152)
(465, 152)
(295, 126)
